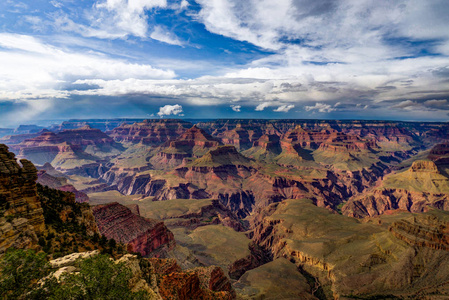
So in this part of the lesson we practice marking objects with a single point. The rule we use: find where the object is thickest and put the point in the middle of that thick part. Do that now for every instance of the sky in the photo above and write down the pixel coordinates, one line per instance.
(319, 59)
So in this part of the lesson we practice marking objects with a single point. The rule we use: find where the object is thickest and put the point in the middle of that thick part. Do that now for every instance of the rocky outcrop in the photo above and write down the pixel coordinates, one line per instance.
(150, 132)
(142, 278)
(72, 151)
(423, 231)
(148, 237)
(416, 190)
(440, 153)
(60, 183)
(424, 166)
(347, 258)
(381, 201)
(21, 212)
(193, 143)
(102, 124)
(213, 214)
(202, 283)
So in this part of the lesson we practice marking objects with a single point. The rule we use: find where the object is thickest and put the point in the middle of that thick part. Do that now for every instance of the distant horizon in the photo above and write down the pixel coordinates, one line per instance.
(49, 123)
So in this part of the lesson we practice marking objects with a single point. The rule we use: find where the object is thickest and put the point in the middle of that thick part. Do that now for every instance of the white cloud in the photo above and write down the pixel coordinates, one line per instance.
(32, 69)
(169, 110)
(184, 4)
(236, 108)
(262, 106)
(321, 107)
(56, 4)
(428, 105)
(284, 108)
(352, 26)
(113, 19)
(163, 35)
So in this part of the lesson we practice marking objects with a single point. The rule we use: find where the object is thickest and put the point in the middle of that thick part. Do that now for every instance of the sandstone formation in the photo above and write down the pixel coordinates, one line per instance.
(194, 142)
(415, 190)
(150, 132)
(21, 212)
(102, 124)
(423, 231)
(352, 259)
(145, 236)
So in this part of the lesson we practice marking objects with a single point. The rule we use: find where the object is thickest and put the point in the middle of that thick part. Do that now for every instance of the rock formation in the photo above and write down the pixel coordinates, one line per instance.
(21, 212)
(145, 236)
(150, 132)
(60, 183)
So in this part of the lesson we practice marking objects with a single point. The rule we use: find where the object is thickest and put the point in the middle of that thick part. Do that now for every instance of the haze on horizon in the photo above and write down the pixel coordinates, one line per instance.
(326, 59)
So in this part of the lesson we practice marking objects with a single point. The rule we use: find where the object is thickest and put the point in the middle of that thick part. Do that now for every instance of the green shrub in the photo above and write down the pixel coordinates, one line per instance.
(99, 278)
(20, 273)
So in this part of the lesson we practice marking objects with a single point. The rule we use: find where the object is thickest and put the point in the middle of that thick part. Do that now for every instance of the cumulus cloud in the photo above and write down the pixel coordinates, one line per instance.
(236, 108)
(321, 107)
(354, 26)
(284, 108)
(262, 106)
(111, 19)
(33, 69)
(168, 110)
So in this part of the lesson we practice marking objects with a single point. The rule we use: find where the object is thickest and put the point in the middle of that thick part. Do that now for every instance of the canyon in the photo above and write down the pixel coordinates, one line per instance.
(346, 208)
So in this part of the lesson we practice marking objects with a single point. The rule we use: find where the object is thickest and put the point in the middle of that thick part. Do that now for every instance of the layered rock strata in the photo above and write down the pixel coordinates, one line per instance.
(21, 212)
(145, 236)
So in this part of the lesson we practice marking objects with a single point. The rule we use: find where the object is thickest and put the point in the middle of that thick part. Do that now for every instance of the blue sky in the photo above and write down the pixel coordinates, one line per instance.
(357, 59)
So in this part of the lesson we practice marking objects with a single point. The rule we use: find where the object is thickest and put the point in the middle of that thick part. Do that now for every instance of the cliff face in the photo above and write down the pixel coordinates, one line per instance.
(423, 231)
(194, 142)
(73, 151)
(384, 200)
(416, 190)
(210, 214)
(348, 258)
(200, 283)
(148, 237)
(21, 212)
(150, 132)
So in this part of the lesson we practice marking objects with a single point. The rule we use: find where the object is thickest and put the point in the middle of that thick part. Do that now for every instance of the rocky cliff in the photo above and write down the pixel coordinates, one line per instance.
(416, 190)
(145, 236)
(347, 258)
(150, 132)
(423, 231)
(21, 212)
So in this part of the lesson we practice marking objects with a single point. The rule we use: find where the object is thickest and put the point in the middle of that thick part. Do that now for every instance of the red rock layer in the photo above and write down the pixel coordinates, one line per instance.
(150, 132)
(382, 201)
(146, 236)
(440, 153)
(85, 136)
(197, 284)
(422, 231)
(194, 137)
(327, 139)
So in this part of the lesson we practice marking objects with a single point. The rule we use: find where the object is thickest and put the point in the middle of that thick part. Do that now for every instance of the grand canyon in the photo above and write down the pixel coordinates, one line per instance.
(237, 209)
(224, 149)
